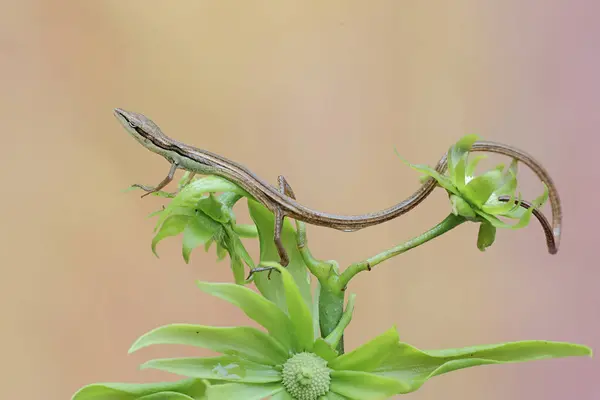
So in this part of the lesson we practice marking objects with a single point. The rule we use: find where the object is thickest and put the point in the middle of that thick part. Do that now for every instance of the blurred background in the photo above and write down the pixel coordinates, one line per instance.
(320, 92)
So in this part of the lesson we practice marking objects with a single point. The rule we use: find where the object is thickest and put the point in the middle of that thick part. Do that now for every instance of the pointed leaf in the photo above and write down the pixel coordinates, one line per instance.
(189, 196)
(164, 215)
(486, 235)
(496, 207)
(225, 368)
(246, 391)
(237, 266)
(221, 247)
(239, 247)
(457, 160)
(541, 200)
(493, 220)
(298, 310)
(358, 385)
(245, 342)
(172, 226)
(133, 391)
(442, 180)
(255, 306)
(199, 230)
(324, 350)
(368, 356)
(238, 255)
(508, 186)
(413, 367)
(480, 188)
(472, 165)
(213, 208)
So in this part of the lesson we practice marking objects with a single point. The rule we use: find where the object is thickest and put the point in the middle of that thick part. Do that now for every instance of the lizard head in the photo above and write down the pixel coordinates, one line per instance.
(144, 130)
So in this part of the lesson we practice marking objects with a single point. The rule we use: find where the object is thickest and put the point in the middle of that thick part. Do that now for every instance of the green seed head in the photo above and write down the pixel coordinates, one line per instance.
(306, 376)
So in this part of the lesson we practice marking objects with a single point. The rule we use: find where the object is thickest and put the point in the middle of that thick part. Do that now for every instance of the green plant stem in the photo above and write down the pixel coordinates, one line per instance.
(320, 269)
(331, 299)
(229, 198)
(450, 222)
(246, 230)
(331, 310)
(335, 337)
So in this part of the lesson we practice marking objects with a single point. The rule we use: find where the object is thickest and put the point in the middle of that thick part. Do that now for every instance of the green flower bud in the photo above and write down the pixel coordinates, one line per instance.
(306, 376)
(461, 207)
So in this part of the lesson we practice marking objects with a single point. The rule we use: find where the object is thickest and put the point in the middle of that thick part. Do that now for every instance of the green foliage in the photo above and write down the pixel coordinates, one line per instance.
(289, 356)
(187, 389)
(476, 198)
(254, 363)
(204, 219)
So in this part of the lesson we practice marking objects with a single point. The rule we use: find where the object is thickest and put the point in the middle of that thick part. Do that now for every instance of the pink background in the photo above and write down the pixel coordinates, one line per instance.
(320, 92)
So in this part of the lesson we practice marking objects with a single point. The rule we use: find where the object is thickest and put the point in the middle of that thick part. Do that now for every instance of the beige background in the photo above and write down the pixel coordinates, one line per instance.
(320, 92)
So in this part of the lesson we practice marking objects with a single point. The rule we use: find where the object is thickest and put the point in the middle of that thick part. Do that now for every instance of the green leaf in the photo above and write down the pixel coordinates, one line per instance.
(457, 159)
(225, 368)
(541, 200)
(255, 306)
(236, 264)
(334, 396)
(166, 396)
(212, 207)
(172, 226)
(494, 221)
(472, 164)
(221, 246)
(413, 367)
(442, 180)
(191, 194)
(272, 288)
(240, 254)
(368, 356)
(282, 395)
(245, 342)
(358, 385)
(324, 350)
(486, 235)
(496, 207)
(480, 188)
(461, 207)
(315, 309)
(508, 186)
(199, 230)
(298, 310)
(245, 391)
(195, 388)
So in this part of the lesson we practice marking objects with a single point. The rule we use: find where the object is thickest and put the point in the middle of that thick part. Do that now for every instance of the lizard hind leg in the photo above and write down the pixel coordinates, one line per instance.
(284, 259)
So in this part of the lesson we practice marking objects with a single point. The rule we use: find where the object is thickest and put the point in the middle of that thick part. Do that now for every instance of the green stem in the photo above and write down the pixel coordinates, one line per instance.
(331, 298)
(331, 310)
(320, 269)
(229, 198)
(246, 230)
(335, 337)
(450, 222)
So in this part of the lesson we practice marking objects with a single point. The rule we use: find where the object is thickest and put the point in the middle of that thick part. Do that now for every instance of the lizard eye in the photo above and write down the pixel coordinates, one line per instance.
(132, 124)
